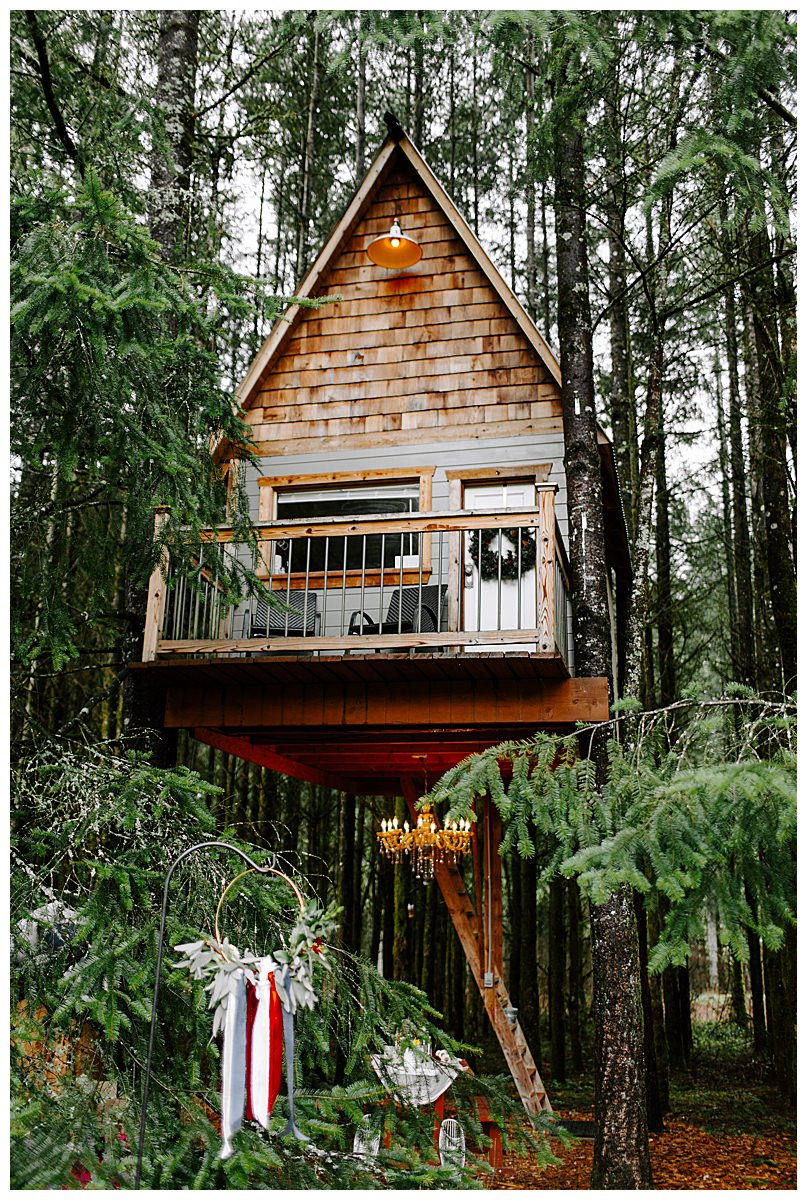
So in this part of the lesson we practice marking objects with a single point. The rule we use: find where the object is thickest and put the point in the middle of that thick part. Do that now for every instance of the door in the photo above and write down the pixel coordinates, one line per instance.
(491, 603)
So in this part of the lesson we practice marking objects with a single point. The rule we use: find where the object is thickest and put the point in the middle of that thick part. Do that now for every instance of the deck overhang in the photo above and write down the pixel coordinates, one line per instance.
(360, 722)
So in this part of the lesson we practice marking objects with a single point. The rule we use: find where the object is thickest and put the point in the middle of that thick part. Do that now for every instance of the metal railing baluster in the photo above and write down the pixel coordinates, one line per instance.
(499, 589)
(381, 591)
(400, 585)
(307, 577)
(420, 579)
(518, 577)
(479, 581)
(363, 580)
(439, 577)
(288, 594)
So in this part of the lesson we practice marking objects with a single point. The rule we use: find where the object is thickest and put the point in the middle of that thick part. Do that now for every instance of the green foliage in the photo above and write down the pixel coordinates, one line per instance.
(708, 815)
(95, 834)
(115, 398)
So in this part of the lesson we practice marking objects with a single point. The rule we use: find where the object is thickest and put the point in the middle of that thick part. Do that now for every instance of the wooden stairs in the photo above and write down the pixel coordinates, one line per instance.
(479, 928)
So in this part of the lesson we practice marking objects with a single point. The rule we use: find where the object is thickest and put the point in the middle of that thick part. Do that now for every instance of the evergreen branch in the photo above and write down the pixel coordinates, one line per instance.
(50, 97)
(766, 96)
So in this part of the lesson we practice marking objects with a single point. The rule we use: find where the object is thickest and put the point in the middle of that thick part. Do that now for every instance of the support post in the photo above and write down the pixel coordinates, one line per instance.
(155, 606)
(545, 618)
(496, 999)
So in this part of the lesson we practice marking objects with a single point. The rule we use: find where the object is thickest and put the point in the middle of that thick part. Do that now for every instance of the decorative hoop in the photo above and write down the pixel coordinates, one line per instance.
(250, 871)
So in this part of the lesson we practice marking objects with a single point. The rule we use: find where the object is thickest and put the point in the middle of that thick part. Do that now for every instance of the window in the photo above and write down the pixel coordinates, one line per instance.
(353, 553)
(357, 558)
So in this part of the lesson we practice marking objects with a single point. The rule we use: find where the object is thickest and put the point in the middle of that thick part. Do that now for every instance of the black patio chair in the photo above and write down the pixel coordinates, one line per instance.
(295, 615)
(411, 610)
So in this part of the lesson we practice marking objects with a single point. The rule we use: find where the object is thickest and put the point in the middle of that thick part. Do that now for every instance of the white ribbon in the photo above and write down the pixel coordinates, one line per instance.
(259, 1078)
(233, 1062)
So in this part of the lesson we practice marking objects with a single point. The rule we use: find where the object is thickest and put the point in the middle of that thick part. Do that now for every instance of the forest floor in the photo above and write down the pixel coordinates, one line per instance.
(727, 1129)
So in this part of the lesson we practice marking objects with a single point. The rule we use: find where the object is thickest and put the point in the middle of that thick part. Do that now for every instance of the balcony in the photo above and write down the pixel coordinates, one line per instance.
(425, 584)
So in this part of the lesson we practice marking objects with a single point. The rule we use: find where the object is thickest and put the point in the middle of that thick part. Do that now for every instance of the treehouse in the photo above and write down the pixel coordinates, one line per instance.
(410, 508)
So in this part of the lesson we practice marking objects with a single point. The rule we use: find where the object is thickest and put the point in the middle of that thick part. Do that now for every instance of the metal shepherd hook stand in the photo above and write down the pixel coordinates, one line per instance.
(265, 870)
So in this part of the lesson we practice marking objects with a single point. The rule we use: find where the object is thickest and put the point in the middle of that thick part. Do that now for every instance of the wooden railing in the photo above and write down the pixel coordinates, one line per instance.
(337, 585)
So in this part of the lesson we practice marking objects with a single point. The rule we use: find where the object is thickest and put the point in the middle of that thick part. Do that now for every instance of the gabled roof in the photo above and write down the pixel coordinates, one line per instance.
(342, 230)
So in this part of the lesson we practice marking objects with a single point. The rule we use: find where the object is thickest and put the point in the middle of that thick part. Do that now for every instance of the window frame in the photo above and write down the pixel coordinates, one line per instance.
(269, 487)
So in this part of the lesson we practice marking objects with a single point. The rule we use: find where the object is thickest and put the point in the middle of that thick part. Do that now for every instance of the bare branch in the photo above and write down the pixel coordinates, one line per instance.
(62, 133)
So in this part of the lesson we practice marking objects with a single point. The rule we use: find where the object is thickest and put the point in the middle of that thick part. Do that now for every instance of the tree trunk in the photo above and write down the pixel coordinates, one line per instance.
(399, 906)
(648, 468)
(673, 1019)
(657, 1019)
(308, 158)
(171, 158)
(780, 967)
(623, 403)
(347, 832)
(452, 126)
(655, 1121)
(575, 975)
(739, 1013)
(728, 535)
(419, 103)
(664, 599)
(512, 876)
(547, 295)
(529, 998)
(376, 903)
(531, 281)
(765, 651)
(557, 972)
(361, 93)
(388, 872)
(172, 147)
(772, 431)
(742, 541)
(429, 940)
(358, 863)
(621, 1154)
(757, 990)
(584, 487)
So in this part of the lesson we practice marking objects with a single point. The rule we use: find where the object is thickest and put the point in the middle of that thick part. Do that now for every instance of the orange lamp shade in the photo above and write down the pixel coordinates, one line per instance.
(394, 250)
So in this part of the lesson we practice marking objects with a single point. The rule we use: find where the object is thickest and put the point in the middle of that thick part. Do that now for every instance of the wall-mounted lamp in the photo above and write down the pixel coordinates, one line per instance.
(394, 250)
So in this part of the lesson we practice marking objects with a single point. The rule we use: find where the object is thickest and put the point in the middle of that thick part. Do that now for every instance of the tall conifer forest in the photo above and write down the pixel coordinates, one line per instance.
(174, 175)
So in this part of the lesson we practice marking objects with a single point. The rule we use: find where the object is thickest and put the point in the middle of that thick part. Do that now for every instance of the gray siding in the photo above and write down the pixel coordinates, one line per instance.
(472, 452)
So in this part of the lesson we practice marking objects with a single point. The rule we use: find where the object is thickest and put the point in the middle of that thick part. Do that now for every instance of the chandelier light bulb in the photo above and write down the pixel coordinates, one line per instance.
(425, 842)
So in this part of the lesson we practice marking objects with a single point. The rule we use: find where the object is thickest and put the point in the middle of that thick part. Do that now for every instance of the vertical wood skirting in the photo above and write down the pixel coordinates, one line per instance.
(546, 571)
(155, 605)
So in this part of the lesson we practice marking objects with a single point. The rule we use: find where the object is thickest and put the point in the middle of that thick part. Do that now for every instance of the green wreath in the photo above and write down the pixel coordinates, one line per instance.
(489, 567)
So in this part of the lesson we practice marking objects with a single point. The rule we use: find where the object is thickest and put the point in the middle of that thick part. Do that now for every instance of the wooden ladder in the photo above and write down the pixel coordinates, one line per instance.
(473, 931)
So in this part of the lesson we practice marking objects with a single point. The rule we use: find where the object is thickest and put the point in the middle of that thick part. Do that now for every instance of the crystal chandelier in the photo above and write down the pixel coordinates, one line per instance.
(424, 843)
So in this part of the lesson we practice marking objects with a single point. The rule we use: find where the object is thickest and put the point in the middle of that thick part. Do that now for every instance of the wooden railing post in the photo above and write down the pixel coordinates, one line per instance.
(155, 607)
(546, 571)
